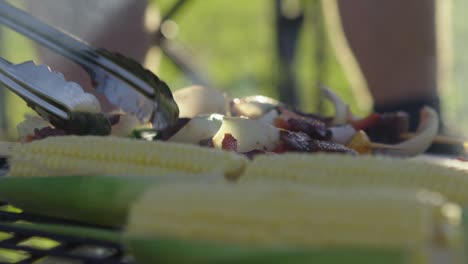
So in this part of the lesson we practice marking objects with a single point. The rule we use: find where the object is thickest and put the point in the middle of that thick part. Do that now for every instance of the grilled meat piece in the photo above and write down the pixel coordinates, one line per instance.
(301, 142)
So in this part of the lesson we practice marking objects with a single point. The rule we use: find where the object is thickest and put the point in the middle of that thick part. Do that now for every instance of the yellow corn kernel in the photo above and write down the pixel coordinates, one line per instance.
(118, 156)
(345, 171)
(291, 215)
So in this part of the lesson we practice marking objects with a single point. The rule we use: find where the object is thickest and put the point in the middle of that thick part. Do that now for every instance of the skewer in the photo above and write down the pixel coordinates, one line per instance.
(6, 148)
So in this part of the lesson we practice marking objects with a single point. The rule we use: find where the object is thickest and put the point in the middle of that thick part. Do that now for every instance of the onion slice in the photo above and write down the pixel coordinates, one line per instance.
(342, 112)
(425, 134)
(342, 134)
(270, 117)
(198, 128)
(251, 134)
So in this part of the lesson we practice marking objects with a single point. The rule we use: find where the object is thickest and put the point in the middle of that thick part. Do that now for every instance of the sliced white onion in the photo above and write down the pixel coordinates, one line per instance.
(198, 128)
(198, 100)
(342, 134)
(26, 127)
(270, 117)
(341, 108)
(425, 134)
(250, 134)
(126, 124)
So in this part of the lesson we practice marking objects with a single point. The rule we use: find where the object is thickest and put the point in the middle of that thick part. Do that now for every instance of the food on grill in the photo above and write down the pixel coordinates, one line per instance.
(361, 143)
(260, 124)
(26, 129)
(255, 122)
(314, 127)
(301, 142)
(84, 123)
(343, 134)
(426, 132)
(198, 128)
(250, 134)
(384, 128)
(342, 112)
(208, 223)
(346, 171)
(91, 155)
(80, 112)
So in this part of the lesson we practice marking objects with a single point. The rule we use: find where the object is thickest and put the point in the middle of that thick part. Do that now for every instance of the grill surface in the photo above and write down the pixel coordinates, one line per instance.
(21, 245)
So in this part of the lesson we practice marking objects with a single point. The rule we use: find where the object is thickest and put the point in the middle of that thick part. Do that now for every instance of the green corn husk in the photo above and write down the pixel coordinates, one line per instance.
(90, 199)
(70, 230)
(152, 250)
(148, 251)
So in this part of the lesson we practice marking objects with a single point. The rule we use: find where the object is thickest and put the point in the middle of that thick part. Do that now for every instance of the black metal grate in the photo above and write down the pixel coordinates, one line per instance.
(17, 244)
(21, 245)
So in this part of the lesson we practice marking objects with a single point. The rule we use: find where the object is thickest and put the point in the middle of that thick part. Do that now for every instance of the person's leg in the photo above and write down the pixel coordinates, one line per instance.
(394, 42)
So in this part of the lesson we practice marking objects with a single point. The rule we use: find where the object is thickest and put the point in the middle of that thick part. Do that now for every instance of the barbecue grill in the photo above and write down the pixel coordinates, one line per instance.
(23, 245)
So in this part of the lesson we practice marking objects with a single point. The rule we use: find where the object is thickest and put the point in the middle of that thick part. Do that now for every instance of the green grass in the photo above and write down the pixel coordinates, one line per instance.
(233, 43)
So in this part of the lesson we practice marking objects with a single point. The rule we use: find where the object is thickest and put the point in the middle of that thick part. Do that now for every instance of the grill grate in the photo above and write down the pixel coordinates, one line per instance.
(22, 245)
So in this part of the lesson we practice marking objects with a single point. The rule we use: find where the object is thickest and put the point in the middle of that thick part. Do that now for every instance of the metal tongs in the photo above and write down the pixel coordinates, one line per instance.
(125, 83)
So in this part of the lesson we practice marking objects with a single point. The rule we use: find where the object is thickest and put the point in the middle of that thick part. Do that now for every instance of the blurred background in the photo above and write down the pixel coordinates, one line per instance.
(236, 46)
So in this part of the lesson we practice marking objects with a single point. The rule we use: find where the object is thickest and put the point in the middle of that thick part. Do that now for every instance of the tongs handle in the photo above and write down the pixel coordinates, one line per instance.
(24, 89)
(68, 46)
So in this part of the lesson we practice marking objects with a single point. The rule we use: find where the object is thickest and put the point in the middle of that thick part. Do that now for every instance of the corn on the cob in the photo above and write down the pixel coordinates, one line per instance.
(291, 216)
(118, 156)
(340, 170)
